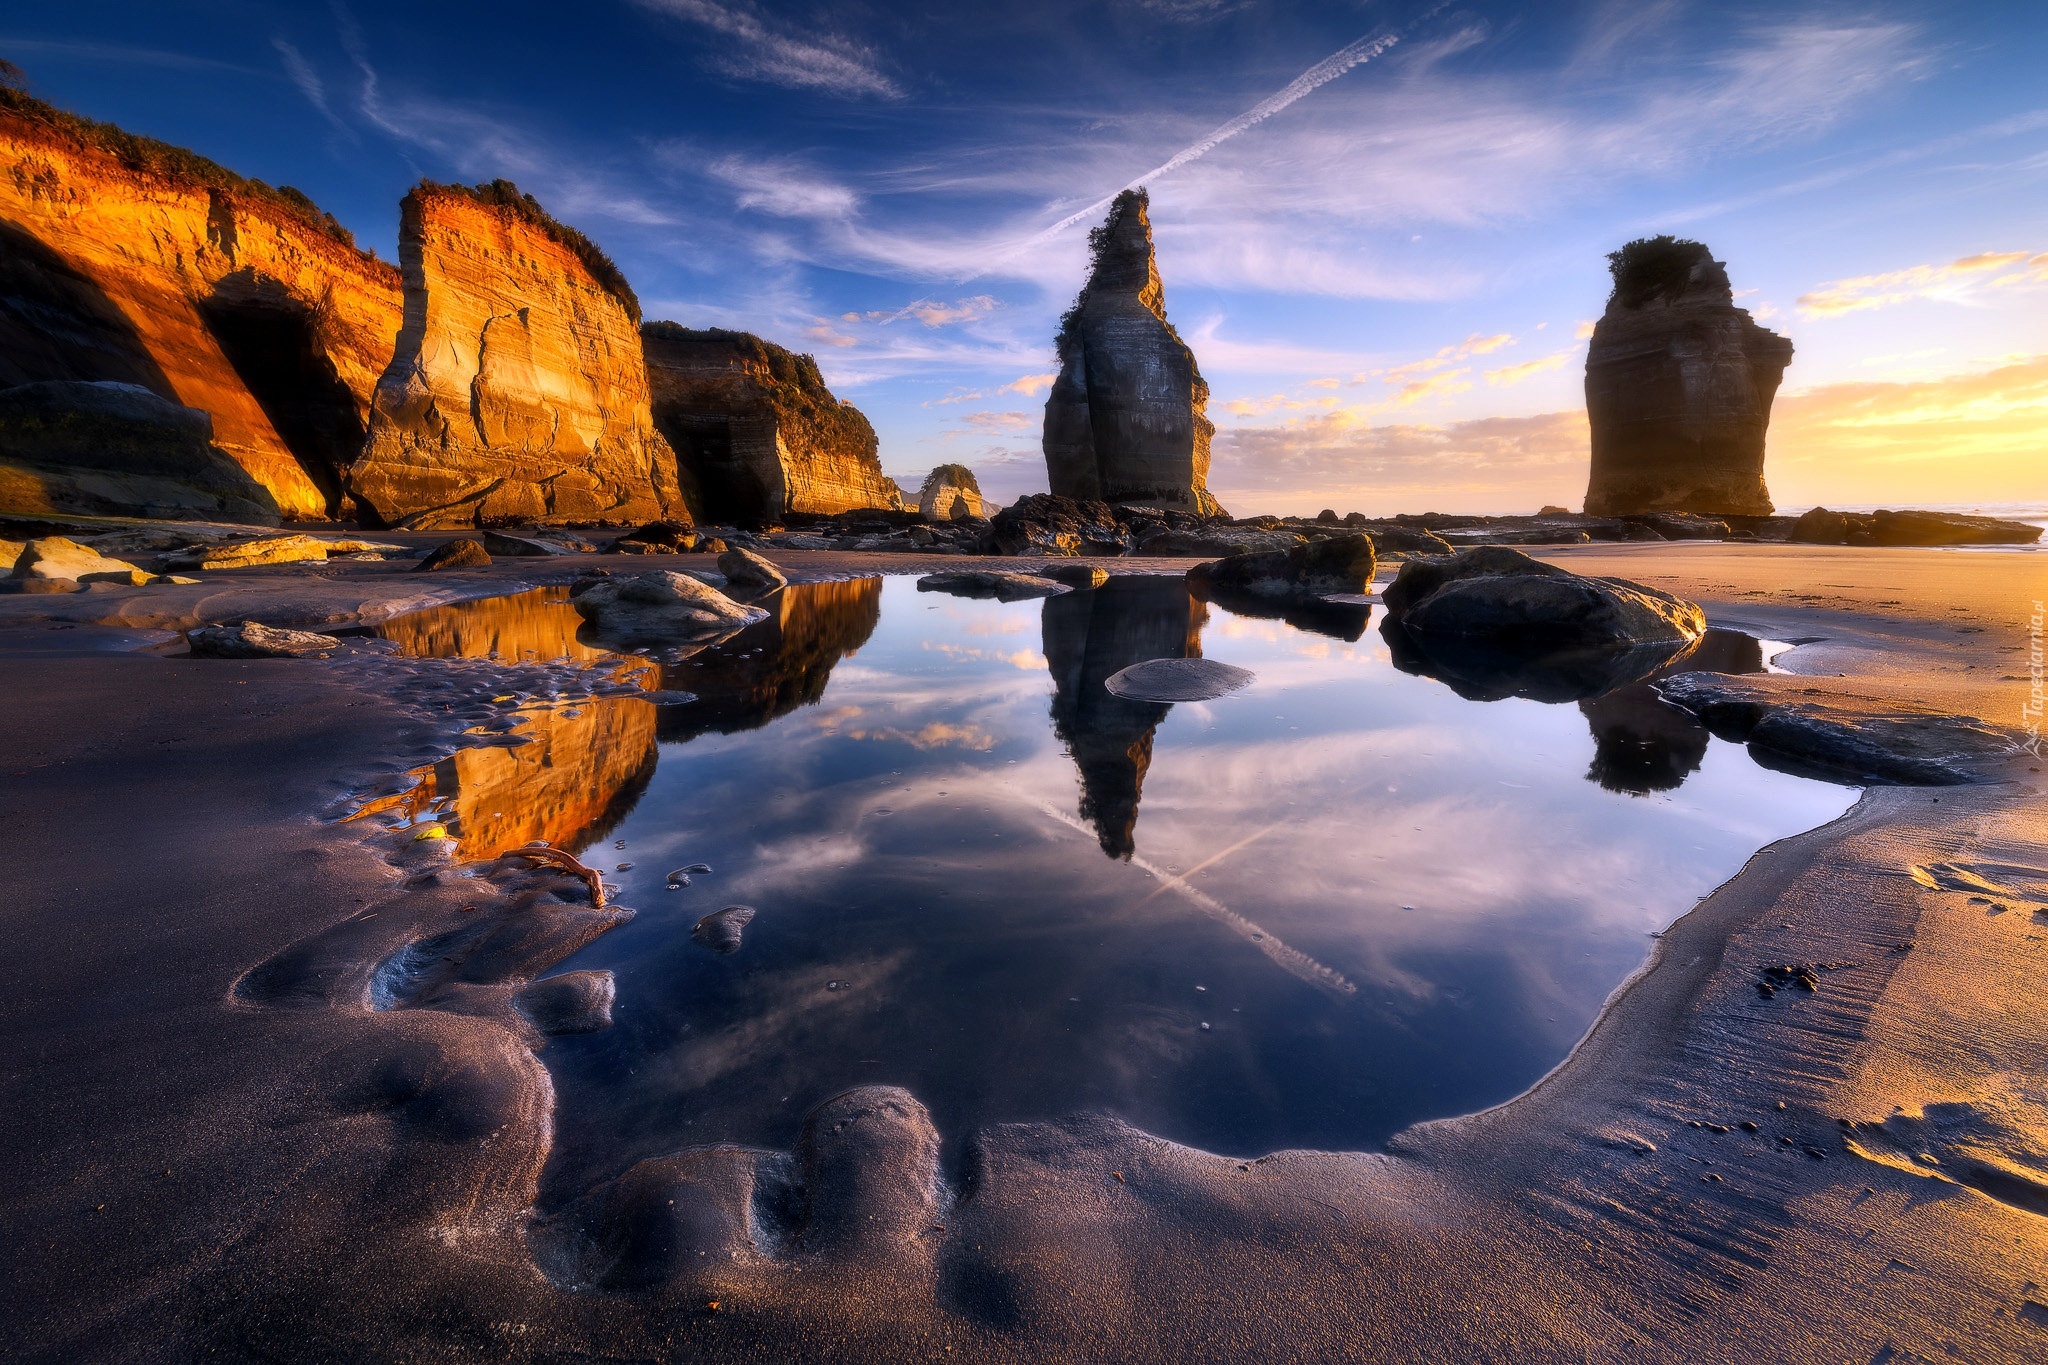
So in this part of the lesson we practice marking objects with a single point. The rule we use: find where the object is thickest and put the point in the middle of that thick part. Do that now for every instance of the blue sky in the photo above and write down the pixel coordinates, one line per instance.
(1383, 278)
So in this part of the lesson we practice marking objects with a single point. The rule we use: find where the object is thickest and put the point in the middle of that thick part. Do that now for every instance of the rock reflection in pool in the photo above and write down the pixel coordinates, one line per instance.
(933, 915)
(536, 624)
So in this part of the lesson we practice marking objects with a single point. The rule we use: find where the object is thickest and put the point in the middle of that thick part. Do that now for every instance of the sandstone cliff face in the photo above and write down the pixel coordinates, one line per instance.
(517, 392)
(1125, 422)
(163, 271)
(756, 431)
(1679, 383)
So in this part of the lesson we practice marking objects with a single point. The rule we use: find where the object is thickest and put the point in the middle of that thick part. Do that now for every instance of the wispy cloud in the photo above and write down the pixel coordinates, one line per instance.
(775, 55)
(930, 312)
(308, 81)
(1964, 280)
(1029, 385)
(780, 186)
(1528, 369)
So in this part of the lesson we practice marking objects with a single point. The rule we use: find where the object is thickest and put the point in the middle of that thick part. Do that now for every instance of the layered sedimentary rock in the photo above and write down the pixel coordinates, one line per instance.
(134, 262)
(758, 434)
(1679, 383)
(1088, 637)
(517, 392)
(1125, 422)
(950, 493)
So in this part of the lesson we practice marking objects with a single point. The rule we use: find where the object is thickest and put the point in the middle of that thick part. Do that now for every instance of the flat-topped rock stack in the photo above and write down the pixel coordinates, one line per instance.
(517, 393)
(1679, 383)
(758, 435)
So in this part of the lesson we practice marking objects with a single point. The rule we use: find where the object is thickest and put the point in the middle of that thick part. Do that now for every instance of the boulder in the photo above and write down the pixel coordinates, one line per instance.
(1046, 524)
(1843, 738)
(1681, 525)
(1175, 680)
(1819, 526)
(456, 554)
(1337, 564)
(245, 554)
(1679, 383)
(252, 641)
(1126, 421)
(757, 434)
(54, 557)
(661, 535)
(1391, 538)
(1503, 597)
(658, 606)
(517, 393)
(996, 583)
(745, 569)
(950, 493)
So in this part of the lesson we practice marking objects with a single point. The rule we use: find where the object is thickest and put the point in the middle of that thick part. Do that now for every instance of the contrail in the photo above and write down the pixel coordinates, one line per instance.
(1321, 74)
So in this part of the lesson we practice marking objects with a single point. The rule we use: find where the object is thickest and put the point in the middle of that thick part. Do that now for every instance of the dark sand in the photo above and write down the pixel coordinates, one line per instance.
(213, 1148)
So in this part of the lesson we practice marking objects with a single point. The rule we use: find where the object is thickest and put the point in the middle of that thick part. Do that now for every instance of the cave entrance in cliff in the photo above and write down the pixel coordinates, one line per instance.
(272, 338)
(729, 492)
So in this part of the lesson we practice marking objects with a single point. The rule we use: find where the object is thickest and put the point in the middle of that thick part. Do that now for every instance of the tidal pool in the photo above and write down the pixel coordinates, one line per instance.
(1309, 913)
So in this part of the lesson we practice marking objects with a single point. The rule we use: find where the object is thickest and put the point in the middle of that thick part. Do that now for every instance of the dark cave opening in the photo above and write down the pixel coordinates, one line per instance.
(272, 339)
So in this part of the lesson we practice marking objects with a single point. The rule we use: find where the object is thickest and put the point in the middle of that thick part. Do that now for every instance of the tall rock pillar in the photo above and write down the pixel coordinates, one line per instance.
(1125, 422)
(1679, 383)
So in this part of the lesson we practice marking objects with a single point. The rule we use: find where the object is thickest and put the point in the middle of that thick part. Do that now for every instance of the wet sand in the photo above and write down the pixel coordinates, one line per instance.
(212, 1147)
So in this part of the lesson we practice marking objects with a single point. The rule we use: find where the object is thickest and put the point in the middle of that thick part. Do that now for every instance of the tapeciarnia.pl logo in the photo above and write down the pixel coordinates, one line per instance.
(2030, 709)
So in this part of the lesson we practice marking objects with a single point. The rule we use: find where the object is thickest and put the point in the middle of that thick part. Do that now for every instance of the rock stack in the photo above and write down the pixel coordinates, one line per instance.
(1679, 383)
(1125, 421)
(758, 434)
(517, 393)
(950, 493)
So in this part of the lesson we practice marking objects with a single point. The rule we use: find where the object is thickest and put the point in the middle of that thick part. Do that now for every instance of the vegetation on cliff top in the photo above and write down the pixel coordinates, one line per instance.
(1651, 268)
(147, 156)
(503, 194)
(957, 474)
(1099, 238)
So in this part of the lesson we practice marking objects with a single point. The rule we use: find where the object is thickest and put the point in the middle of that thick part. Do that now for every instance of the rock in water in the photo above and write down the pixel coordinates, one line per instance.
(1503, 597)
(244, 302)
(658, 606)
(1337, 564)
(518, 393)
(252, 641)
(757, 433)
(1679, 383)
(745, 569)
(1125, 422)
(997, 583)
(720, 931)
(1171, 680)
(950, 493)
(456, 554)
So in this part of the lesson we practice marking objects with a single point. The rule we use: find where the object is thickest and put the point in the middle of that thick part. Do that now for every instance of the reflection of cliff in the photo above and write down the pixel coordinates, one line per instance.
(538, 624)
(576, 777)
(1089, 636)
(773, 666)
(1642, 744)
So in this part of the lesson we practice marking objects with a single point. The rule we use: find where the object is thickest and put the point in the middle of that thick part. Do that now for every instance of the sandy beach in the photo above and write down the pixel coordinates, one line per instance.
(216, 1146)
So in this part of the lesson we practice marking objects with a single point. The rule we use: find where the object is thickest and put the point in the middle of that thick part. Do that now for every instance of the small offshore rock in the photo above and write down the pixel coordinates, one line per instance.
(720, 931)
(456, 554)
(253, 641)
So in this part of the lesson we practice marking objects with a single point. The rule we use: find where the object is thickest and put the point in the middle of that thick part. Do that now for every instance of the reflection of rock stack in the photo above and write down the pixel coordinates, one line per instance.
(774, 666)
(1642, 743)
(1089, 636)
(538, 624)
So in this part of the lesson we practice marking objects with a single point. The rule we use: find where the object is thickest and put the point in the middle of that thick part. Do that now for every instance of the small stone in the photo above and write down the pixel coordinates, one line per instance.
(456, 554)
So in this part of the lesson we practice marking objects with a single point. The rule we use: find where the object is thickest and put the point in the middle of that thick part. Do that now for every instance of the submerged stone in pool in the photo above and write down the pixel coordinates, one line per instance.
(1335, 905)
(1173, 680)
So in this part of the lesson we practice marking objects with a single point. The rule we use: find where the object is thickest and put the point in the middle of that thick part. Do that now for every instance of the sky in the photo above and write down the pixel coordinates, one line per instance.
(1382, 224)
